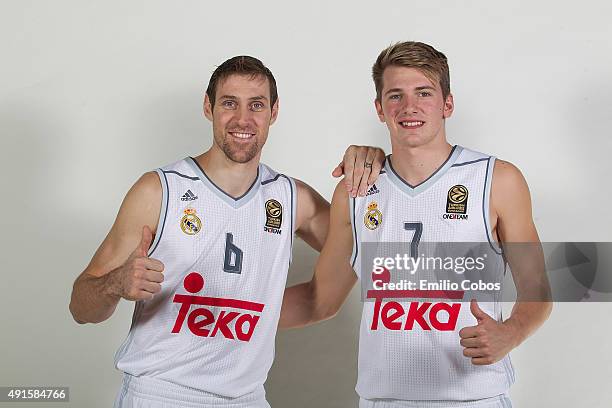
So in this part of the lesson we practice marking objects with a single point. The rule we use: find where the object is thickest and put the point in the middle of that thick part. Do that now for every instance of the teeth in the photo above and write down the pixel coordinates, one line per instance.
(417, 123)
(242, 135)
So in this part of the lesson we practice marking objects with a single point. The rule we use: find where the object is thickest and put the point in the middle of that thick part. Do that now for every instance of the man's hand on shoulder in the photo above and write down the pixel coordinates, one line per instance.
(361, 167)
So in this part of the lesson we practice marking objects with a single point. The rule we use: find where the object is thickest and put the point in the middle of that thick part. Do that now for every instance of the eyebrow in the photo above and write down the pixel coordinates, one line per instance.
(418, 88)
(235, 98)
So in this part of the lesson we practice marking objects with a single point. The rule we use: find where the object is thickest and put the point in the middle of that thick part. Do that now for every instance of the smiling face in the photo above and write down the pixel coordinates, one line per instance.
(241, 116)
(413, 107)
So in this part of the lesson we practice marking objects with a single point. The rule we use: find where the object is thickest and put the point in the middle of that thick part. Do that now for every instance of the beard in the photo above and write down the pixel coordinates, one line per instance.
(238, 153)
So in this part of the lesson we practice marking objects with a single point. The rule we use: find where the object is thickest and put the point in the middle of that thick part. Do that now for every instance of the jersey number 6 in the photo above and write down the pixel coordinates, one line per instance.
(232, 261)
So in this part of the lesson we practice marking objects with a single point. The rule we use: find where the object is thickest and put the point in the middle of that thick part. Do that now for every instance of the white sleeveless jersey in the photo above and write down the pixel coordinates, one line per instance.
(212, 327)
(422, 360)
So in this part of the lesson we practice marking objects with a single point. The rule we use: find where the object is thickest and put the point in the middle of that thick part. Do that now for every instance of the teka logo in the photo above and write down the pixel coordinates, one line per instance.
(440, 316)
(202, 322)
(393, 316)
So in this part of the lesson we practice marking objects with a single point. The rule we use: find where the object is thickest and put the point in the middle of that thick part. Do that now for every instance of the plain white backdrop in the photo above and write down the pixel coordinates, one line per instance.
(93, 94)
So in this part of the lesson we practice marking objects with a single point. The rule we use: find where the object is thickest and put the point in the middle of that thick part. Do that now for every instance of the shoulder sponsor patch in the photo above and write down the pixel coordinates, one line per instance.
(456, 203)
(274, 216)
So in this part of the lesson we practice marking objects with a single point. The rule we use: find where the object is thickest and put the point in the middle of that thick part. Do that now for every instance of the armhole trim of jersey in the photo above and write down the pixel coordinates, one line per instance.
(163, 212)
(181, 175)
(293, 190)
(354, 231)
(486, 205)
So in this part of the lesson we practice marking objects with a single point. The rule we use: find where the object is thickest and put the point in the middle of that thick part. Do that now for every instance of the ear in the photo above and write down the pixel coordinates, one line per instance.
(449, 106)
(379, 110)
(274, 112)
(207, 108)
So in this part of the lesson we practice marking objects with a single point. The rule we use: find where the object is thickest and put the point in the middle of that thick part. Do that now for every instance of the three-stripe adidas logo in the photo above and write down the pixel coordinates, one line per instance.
(189, 196)
(372, 190)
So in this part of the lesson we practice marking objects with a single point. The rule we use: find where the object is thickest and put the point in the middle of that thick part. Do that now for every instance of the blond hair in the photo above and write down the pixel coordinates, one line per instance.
(411, 54)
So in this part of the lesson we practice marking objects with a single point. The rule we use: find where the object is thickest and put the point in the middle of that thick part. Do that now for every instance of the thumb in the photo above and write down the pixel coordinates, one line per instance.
(478, 313)
(339, 170)
(145, 242)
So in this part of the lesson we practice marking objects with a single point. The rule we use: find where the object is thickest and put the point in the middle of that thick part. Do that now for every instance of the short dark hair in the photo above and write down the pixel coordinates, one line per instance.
(411, 54)
(241, 65)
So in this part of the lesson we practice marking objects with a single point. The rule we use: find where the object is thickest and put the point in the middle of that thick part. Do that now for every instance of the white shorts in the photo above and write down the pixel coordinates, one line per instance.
(147, 392)
(500, 401)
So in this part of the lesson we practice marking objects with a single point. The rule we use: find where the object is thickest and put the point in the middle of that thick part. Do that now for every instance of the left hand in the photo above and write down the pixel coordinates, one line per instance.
(489, 341)
(361, 167)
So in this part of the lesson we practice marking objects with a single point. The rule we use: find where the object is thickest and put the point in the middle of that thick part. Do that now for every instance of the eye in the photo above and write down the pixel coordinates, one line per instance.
(257, 106)
(395, 97)
(424, 93)
(229, 104)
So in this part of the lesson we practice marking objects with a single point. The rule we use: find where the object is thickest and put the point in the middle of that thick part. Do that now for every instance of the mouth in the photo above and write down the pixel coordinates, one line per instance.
(242, 135)
(411, 124)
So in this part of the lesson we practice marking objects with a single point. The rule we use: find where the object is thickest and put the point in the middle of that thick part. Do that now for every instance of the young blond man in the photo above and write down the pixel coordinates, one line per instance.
(430, 191)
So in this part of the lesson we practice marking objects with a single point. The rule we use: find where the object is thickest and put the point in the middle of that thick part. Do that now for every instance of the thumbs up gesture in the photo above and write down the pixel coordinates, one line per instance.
(140, 277)
(489, 341)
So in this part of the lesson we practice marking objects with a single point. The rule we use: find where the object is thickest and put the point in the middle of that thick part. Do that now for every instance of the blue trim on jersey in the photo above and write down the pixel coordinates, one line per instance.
(469, 162)
(235, 202)
(411, 190)
(163, 210)
(263, 183)
(180, 174)
(293, 209)
(354, 225)
(486, 193)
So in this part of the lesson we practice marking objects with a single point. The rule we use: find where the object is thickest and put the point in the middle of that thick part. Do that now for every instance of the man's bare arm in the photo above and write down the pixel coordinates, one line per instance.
(513, 224)
(511, 201)
(333, 279)
(120, 266)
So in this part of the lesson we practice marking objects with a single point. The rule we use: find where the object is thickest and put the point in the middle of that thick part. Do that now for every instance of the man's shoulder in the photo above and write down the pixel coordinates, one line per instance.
(186, 168)
(269, 175)
(467, 155)
(506, 172)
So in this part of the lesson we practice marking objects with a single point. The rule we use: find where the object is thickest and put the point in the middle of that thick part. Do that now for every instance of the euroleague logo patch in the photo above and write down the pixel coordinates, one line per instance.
(274, 216)
(373, 217)
(191, 223)
(456, 203)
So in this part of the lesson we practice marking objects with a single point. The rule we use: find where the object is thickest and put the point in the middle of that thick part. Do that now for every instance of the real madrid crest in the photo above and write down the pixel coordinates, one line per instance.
(190, 223)
(373, 217)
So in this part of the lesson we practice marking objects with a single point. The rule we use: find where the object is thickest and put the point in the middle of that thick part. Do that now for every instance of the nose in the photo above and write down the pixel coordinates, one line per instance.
(410, 104)
(243, 116)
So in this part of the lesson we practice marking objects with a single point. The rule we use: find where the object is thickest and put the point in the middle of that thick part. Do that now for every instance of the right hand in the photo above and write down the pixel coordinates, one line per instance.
(140, 277)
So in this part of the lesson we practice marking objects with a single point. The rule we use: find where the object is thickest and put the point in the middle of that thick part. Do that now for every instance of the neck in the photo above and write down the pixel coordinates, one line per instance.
(233, 178)
(416, 163)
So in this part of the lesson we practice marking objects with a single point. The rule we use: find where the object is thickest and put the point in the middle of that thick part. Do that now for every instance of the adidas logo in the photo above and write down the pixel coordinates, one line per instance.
(189, 196)
(372, 190)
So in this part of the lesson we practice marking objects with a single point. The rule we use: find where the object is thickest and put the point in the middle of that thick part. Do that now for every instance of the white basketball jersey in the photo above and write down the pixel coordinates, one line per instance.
(422, 359)
(213, 325)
